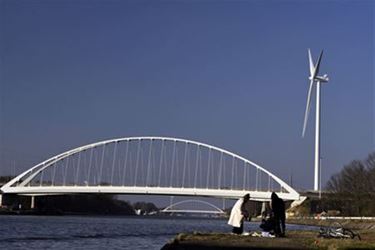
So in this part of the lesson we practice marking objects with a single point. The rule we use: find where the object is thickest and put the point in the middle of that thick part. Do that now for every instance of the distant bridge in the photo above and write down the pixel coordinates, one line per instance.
(174, 208)
(150, 165)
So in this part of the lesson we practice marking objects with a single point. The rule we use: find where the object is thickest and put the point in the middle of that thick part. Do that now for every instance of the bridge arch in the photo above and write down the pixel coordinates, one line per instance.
(171, 208)
(152, 165)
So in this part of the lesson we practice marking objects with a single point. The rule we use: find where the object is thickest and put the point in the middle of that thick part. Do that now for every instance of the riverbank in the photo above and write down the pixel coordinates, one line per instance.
(293, 240)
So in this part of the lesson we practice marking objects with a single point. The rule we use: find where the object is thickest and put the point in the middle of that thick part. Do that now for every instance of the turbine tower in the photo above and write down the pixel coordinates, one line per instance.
(315, 78)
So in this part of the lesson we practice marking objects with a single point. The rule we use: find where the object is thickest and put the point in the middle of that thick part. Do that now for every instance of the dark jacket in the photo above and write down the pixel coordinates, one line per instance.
(278, 206)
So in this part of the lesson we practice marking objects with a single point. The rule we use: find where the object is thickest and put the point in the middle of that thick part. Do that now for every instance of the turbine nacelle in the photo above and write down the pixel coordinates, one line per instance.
(323, 78)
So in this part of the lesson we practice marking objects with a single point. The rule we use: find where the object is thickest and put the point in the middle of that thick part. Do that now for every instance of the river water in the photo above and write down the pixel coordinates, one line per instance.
(85, 232)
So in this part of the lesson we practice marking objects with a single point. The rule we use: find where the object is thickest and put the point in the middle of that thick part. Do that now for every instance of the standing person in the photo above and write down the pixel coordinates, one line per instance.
(278, 212)
(238, 214)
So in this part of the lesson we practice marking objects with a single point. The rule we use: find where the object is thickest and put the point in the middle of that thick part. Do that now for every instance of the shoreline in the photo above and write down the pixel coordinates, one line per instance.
(357, 224)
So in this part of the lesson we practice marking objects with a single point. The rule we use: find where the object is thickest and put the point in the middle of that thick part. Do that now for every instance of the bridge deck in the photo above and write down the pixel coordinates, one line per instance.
(170, 191)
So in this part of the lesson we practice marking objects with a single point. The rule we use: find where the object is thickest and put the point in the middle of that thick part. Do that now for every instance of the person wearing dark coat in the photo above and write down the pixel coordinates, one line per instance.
(278, 212)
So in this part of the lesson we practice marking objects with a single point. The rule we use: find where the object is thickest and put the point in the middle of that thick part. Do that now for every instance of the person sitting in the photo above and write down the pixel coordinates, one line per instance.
(268, 226)
(238, 214)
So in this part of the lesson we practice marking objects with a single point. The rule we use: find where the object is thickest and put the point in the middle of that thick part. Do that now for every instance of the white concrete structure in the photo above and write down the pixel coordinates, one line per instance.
(150, 165)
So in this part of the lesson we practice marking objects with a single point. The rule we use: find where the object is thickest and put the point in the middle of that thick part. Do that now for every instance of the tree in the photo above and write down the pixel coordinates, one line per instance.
(354, 188)
(145, 207)
(370, 164)
(5, 179)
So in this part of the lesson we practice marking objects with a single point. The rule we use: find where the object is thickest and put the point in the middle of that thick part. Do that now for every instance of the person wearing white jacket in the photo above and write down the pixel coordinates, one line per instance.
(238, 214)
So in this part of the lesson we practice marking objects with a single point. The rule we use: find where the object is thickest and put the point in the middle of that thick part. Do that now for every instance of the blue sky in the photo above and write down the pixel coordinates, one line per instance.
(233, 74)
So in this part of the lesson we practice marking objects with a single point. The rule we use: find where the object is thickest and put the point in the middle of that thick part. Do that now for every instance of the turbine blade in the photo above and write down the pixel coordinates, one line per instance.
(308, 104)
(318, 64)
(312, 67)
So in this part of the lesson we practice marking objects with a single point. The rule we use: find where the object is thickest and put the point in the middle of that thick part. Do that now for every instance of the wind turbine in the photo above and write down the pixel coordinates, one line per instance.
(315, 79)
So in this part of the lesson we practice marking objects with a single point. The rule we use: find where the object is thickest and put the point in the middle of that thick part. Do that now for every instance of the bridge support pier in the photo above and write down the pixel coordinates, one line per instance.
(1, 200)
(32, 204)
(264, 208)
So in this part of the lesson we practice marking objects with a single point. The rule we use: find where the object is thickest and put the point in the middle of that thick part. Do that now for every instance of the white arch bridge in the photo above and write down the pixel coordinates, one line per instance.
(174, 208)
(153, 166)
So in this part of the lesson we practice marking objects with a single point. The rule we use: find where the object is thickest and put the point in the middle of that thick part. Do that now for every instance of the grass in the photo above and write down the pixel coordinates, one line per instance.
(293, 240)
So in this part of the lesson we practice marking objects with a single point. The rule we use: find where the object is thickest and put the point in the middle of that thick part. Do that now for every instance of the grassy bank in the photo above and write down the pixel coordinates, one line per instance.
(352, 224)
(293, 240)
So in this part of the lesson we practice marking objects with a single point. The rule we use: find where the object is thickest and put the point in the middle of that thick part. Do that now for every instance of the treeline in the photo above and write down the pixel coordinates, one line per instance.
(102, 204)
(83, 204)
(353, 189)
